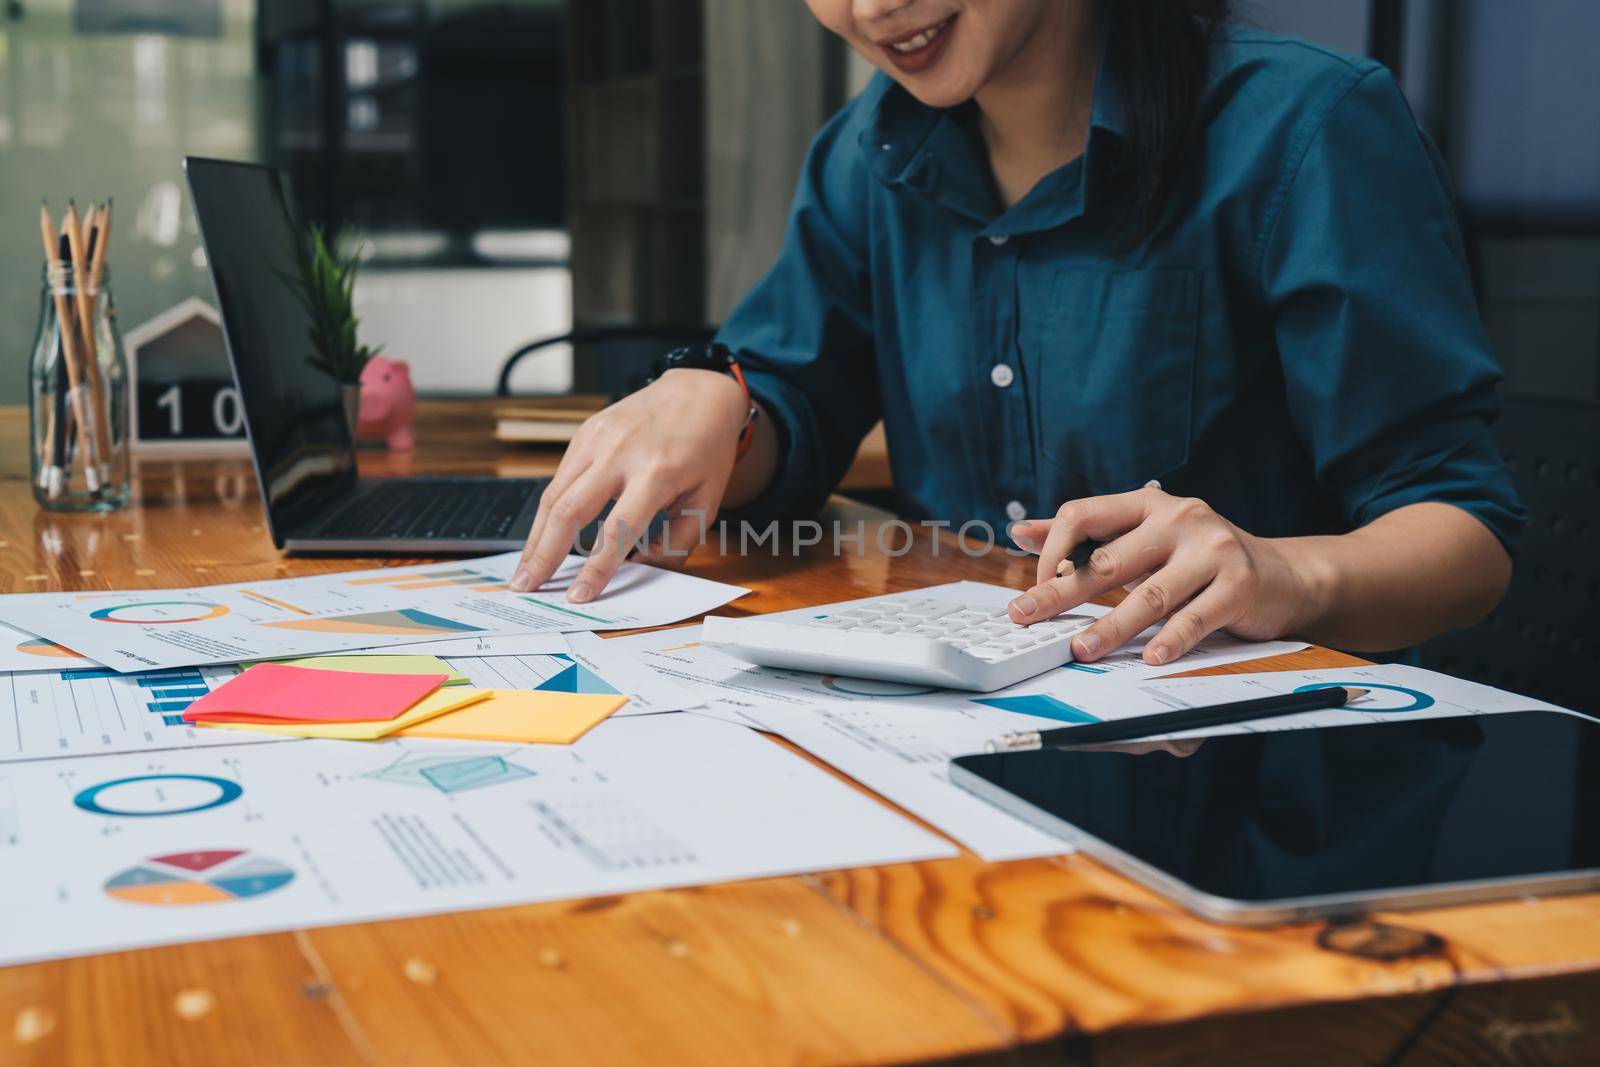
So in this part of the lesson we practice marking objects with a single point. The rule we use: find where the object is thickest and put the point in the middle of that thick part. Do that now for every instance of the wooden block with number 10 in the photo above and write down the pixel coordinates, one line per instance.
(184, 397)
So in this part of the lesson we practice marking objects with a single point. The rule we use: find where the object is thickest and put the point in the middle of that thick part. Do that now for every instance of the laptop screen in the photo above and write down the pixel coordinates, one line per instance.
(293, 412)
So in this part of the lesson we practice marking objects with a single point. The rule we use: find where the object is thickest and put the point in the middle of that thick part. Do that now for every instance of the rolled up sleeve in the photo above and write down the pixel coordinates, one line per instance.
(804, 333)
(1391, 382)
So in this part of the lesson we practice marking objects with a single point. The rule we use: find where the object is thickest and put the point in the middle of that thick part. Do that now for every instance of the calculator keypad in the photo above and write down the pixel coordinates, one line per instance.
(986, 634)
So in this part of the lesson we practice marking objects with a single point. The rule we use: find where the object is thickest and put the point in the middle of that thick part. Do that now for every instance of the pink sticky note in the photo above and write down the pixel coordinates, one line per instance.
(273, 692)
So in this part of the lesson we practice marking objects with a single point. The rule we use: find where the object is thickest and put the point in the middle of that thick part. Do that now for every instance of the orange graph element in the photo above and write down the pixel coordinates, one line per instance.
(442, 583)
(170, 893)
(40, 647)
(275, 603)
(404, 621)
(474, 580)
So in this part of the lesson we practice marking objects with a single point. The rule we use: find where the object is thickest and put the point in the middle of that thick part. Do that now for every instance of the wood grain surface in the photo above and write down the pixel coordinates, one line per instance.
(1050, 961)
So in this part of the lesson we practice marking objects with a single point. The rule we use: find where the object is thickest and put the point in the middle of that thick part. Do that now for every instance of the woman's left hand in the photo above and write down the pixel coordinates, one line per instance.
(1181, 561)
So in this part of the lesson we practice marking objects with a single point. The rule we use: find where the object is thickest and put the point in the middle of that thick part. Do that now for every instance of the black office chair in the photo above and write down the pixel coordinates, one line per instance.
(624, 353)
(1544, 638)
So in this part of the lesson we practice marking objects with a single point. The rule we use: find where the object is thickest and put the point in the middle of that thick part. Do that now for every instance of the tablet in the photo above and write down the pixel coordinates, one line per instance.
(1294, 824)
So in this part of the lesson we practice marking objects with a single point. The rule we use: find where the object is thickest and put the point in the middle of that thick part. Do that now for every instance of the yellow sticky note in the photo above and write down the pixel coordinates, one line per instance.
(523, 715)
(381, 664)
(438, 702)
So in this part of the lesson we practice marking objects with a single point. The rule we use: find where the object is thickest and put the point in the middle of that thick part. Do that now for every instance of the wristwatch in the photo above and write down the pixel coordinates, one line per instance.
(717, 358)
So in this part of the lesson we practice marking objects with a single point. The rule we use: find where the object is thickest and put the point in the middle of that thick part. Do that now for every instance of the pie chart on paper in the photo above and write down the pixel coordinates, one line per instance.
(213, 876)
(38, 646)
(159, 612)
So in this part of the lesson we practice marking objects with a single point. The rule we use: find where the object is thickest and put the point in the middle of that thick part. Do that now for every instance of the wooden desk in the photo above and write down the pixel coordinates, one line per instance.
(1052, 961)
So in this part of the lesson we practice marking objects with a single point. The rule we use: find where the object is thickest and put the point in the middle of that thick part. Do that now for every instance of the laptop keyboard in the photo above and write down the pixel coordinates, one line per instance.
(415, 510)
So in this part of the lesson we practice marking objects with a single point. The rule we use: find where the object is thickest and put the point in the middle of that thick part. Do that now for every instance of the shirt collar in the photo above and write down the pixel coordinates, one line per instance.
(937, 152)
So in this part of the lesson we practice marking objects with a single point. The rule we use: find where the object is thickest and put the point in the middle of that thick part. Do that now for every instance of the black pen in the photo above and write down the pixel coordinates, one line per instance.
(1172, 722)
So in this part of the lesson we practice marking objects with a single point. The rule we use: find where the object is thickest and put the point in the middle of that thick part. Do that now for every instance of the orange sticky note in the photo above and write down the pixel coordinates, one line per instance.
(523, 715)
(273, 692)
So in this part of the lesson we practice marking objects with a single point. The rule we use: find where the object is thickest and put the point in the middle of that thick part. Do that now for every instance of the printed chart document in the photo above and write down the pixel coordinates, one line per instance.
(591, 666)
(898, 739)
(1397, 692)
(538, 644)
(648, 692)
(117, 852)
(162, 628)
(24, 652)
(94, 711)
(871, 731)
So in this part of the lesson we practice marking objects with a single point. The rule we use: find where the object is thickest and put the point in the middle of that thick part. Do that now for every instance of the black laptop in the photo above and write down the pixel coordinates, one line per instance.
(304, 456)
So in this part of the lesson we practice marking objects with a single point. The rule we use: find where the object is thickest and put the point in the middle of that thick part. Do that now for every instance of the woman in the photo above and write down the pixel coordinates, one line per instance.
(1066, 248)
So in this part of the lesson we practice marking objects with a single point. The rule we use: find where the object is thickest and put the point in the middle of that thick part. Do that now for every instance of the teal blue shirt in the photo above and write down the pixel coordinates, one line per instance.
(1297, 344)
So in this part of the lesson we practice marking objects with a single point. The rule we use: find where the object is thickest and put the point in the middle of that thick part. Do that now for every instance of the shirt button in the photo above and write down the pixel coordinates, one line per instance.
(999, 239)
(1015, 511)
(1001, 375)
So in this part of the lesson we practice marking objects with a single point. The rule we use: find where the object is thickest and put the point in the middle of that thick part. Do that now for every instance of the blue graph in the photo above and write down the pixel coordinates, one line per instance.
(1419, 700)
(168, 693)
(227, 792)
(1041, 704)
(464, 774)
(575, 678)
(451, 773)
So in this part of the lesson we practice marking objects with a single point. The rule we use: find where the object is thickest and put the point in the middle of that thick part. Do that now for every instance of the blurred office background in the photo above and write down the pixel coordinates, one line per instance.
(520, 167)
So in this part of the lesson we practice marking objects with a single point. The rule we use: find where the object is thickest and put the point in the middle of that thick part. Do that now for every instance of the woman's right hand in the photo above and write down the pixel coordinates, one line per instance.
(671, 446)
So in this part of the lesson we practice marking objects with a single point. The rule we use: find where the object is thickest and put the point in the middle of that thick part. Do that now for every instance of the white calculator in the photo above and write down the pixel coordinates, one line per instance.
(901, 638)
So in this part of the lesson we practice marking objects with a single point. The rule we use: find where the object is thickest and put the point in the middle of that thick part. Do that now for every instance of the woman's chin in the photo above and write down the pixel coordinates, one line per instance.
(939, 92)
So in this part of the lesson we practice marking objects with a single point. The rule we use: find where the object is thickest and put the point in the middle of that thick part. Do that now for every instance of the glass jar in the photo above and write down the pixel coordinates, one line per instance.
(78, 397)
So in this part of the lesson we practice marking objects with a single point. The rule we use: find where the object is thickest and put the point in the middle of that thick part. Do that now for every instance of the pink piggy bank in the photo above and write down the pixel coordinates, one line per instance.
(388, 403)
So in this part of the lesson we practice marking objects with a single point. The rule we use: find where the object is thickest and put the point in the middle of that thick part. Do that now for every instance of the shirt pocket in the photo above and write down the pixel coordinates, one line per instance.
(1117, 374)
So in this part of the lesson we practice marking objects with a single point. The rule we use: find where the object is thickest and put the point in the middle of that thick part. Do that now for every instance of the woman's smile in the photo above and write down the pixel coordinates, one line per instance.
(920, 49)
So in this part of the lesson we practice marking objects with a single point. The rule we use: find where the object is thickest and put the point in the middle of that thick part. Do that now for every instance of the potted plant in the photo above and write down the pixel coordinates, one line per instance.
(325, 285)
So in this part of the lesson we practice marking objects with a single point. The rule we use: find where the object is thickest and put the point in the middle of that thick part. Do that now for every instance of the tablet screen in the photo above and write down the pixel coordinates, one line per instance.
(1300, 813)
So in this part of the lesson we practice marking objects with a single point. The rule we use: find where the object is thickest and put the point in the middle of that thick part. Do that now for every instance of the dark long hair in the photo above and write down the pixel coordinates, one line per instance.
(1159, 52)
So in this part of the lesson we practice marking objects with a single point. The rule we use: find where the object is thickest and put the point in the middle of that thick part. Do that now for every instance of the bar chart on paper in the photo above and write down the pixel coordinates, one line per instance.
(555, 673)
(94, 711)
(477, 581)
